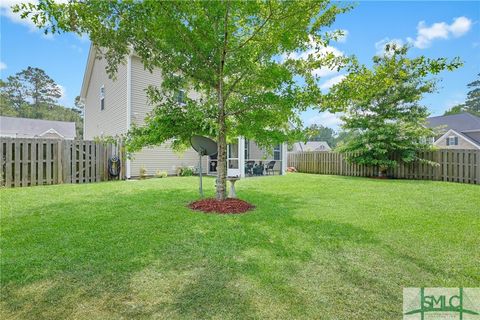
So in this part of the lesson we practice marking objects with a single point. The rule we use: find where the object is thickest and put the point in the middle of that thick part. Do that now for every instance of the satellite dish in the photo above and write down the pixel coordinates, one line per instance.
(205, 147)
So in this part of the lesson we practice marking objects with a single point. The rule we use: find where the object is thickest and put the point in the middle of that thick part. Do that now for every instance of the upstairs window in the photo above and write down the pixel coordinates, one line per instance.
(452, 141)
(102, 97)
(180, 96)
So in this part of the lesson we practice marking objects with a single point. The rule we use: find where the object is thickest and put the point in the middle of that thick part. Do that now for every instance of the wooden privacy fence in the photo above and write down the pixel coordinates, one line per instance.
(30, 162)
(454, 165)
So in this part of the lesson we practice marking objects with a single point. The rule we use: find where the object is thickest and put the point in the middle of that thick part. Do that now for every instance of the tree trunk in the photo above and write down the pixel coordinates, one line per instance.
(222, 160)
(221, 147)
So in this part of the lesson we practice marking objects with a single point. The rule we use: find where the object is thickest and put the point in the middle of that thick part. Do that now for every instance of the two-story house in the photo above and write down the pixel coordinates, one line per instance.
(113, 106)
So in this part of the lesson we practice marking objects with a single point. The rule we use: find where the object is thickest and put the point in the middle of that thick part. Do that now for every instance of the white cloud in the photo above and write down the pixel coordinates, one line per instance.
(380, 46)
(63, 100)
(332, 81)
(322, 51)
(3, 66)
(6, 11)
(326, 119)
(460, 26)
(440, 30)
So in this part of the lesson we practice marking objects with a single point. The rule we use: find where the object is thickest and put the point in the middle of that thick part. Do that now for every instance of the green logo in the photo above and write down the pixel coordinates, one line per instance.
(441, 303)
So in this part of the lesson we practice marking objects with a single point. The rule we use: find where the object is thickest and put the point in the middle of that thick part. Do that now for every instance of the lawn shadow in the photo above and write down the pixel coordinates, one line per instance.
(152, 256)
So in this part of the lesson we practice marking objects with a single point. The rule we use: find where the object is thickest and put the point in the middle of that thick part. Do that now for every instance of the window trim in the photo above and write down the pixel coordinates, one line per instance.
(452, 143)
(102, 97)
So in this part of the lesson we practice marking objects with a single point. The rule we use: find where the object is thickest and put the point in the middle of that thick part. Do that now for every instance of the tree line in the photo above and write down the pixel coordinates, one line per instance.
(31, 93)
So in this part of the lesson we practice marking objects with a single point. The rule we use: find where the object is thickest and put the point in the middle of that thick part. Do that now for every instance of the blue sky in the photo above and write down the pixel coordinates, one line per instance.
(434, 29)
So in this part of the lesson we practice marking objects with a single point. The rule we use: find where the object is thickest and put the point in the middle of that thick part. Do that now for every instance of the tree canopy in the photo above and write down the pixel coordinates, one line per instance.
(31, 93)
(239, 56)
(472, 103)
(382, 106)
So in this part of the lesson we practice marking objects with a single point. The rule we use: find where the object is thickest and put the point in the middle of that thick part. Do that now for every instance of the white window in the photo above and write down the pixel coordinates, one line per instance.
(180, 96)
(452, 141)
(276, 152)
(102, 97)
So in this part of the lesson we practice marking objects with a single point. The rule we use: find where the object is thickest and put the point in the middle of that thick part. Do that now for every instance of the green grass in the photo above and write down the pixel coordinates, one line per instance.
(315, 247)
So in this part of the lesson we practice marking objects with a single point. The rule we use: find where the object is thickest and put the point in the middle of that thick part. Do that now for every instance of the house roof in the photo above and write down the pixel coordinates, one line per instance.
(312, 146)
(459, 122)
(88, 71)
(30, 128)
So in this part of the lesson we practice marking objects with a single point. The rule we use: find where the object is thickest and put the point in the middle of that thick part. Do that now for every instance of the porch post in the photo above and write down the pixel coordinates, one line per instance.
(283, 170)
(241, 156)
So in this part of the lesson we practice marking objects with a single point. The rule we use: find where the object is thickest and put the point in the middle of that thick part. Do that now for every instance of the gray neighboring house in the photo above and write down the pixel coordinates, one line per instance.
(456, 131)
(36, 128)
(311, 146)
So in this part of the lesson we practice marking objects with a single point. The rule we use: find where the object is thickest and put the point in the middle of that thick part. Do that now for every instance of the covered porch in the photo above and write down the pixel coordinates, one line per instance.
(246, 159)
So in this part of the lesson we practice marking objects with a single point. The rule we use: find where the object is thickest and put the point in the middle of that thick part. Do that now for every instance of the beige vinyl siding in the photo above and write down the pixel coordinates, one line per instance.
(162, 157)
(113, 119)
(462, 143)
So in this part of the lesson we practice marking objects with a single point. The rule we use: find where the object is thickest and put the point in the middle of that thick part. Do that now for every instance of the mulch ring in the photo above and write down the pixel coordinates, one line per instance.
(223, 207)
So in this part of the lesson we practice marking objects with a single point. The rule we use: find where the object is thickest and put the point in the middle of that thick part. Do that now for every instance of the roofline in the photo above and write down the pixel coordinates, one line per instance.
(456, 114)
(460, 134)
(88, 71)
(45, 120)
(472, 130)
(50, 131)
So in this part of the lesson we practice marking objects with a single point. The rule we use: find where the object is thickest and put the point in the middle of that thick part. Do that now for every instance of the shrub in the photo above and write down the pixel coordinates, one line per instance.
(185, 171)
(161, 174)
(143, 173)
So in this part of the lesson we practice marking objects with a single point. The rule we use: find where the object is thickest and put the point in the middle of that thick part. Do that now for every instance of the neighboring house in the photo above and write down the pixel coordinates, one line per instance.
(36, 128)
(113, 106)
(456, 131)
(311, 146)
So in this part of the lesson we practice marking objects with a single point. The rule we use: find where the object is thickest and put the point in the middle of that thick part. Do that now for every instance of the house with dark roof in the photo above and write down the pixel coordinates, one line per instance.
(36, 128)
(311, 146)
(456, 131)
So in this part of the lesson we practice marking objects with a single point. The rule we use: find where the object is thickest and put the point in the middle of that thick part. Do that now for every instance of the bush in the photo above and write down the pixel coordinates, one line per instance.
(161, 174)
(185, 171)
(143, 173)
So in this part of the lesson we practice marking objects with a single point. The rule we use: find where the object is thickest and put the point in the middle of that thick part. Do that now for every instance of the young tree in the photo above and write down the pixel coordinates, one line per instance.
(235, 54)
(382, 106)
(31, 84)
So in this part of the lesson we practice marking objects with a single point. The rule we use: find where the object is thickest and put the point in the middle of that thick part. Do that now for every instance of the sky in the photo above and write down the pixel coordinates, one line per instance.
(432, 28)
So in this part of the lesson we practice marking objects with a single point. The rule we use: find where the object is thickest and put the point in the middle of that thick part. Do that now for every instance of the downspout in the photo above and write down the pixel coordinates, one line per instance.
(129, 106)
(284, 158)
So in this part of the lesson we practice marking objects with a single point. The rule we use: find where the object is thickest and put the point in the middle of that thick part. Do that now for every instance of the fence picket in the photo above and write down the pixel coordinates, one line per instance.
(32, 161)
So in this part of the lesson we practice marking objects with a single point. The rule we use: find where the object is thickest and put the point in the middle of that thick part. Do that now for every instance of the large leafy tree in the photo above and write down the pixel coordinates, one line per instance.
(382, 106)
(472, 103)
(236, 54)
(31, 85)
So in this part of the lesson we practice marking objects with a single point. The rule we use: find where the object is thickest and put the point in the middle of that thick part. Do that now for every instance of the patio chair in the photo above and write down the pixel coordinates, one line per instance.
(258, 169)
(249, 167)
(270, 167)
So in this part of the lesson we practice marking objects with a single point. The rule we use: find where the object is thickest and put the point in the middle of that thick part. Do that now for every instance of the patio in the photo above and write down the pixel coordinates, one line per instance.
(246, 159)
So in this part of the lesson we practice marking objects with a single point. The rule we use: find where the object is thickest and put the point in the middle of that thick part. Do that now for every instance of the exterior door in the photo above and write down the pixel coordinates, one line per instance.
(233, 161)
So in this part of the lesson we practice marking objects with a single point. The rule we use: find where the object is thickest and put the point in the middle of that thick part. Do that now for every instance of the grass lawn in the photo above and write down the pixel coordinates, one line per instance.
(316, 246)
